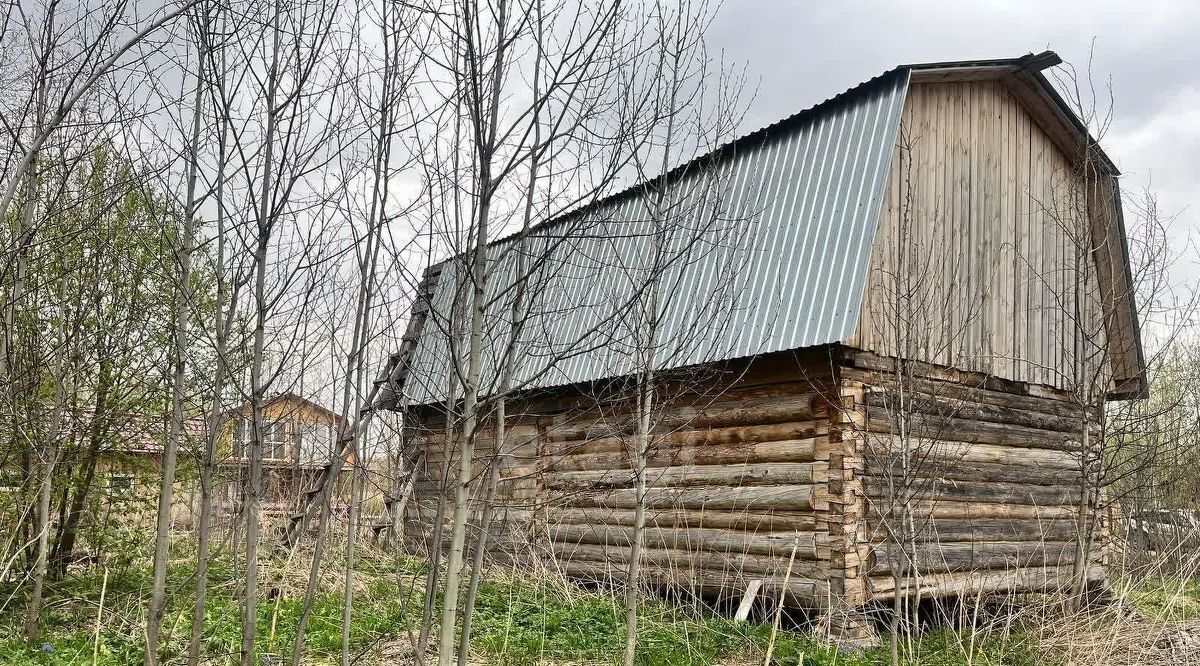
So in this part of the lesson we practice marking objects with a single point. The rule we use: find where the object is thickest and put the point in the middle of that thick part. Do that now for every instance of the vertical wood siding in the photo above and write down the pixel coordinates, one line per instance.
(983, 234)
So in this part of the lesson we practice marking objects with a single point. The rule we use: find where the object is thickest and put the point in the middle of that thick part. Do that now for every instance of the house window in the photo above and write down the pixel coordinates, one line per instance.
(311, 442)
(120, 484)
(268, 429)
(275, 440)
(326, 443)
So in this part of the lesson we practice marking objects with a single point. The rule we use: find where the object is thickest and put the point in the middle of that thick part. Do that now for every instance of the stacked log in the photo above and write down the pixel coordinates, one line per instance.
(993, 467)
(792, 462)
(737, 481)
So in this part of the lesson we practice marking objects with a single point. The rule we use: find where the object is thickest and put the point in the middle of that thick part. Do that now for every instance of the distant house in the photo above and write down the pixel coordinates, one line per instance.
(776, 442)
(128, 447)
(137, 449)
(298, 440)
(120, 454)
(296, 432)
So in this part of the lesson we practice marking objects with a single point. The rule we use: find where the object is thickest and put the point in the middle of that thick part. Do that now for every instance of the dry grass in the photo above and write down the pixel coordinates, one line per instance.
(1152, 617)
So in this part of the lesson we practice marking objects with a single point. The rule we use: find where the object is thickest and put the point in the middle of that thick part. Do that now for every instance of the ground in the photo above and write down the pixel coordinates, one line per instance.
(538, 619)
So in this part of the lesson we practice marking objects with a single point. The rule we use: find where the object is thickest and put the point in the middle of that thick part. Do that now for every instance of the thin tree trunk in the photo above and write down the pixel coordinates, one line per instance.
(466, 450)
(1082, 533)
(481, 540)
(633, 588)
(641, 446)
(646, 389)
(485, 136)
(27, 174)
(34, 609)
(351, 542)
(435, 548)
(176, 431)
(51, 449)
(254, 484)
(254, 487)
(356, 370)
(50, 453)
(221, 325)
(396, 536)
(507, 372)
(314, 579)
(64, 547)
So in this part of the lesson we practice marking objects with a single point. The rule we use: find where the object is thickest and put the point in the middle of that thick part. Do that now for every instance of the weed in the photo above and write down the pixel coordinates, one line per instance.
(517, 620)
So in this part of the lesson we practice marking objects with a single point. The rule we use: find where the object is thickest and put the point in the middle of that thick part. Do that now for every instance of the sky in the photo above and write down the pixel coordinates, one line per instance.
(798, 53)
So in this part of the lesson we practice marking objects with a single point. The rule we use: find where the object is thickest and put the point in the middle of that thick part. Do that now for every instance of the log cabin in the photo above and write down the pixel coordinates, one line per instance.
(882, 347)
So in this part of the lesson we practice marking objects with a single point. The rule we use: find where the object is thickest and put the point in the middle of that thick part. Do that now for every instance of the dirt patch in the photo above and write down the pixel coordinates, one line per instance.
(1130, 639)
(1178, 645)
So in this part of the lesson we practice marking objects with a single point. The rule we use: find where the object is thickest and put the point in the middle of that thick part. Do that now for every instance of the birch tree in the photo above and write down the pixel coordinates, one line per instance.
(687, 220)
(384, 115)
(297, 122)
(481, 50)
(916, 306)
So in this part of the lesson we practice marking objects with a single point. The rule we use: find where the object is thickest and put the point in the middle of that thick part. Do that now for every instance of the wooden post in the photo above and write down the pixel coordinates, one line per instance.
(743, 610)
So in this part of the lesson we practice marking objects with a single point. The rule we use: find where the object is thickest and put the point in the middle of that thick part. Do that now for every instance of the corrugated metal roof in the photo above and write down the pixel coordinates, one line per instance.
(766, 249)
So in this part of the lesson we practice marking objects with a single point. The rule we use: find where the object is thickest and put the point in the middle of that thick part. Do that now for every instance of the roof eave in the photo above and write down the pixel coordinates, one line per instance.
(1029, 68)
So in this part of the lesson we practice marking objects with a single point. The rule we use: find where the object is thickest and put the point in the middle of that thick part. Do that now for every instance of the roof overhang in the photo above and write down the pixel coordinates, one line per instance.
(1025, 79)
(1023, 76)
(294, 398)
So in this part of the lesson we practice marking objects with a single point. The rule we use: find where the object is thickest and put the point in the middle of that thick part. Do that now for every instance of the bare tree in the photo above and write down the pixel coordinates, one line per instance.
(385, 117)
(1118, 271)
(228, 285)
(481, 49)
(99, 53)
(301, 122)
(686, 219)
(180, 306)
(917, 311)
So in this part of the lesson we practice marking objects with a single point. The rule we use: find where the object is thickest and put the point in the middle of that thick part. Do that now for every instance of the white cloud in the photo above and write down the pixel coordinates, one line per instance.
(1161, 152)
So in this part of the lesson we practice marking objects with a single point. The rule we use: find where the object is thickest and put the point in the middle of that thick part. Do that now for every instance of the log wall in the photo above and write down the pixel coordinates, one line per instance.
(518, 493)
(993, 467)
(737, 480)
(791, 459)
(739, 477)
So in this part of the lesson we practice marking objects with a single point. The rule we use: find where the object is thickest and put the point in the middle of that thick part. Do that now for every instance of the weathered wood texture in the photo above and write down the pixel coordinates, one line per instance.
(737, 479)
(739, 476)
(516, 496)
(793, 456)
(988, 226)
(987, 207)
(993, 467)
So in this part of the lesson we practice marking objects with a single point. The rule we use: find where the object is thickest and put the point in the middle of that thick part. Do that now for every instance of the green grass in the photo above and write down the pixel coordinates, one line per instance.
(515, 622)
(69, 621)
(1167, 599)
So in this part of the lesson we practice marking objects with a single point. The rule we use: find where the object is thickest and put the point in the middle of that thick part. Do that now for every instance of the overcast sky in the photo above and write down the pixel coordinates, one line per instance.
(798, 53)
